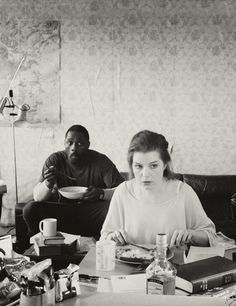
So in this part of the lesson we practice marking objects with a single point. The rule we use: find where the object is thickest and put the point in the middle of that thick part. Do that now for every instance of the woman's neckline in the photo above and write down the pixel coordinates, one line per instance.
(152, 197)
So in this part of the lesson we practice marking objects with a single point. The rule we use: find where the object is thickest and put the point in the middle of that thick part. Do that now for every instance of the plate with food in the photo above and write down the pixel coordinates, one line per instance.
(135, 255)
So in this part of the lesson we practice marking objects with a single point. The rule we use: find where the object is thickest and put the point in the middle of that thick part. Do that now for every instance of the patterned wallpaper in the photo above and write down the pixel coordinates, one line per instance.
(127, 65)
(29, 54)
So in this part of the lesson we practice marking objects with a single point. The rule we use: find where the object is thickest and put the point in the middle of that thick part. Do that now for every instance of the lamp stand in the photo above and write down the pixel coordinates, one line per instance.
(14, 156)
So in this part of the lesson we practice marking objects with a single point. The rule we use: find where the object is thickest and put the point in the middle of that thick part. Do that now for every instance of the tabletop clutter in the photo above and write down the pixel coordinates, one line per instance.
(36, 283)
(32, 283)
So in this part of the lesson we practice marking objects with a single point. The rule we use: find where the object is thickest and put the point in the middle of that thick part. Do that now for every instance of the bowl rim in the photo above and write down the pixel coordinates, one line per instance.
(63, 189)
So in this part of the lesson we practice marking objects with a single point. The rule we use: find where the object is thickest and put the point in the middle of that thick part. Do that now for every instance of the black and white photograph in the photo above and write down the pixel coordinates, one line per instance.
(118, 152)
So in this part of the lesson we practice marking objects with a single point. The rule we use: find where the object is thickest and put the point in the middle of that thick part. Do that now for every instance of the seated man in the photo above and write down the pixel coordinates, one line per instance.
(77, 165)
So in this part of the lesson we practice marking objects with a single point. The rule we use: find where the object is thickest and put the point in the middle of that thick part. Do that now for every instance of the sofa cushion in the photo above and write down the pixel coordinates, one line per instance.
(217, 195)
(233, 206)
(207, 186)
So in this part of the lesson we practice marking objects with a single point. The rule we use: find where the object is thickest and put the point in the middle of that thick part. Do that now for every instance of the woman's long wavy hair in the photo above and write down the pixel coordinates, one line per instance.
(146, 141)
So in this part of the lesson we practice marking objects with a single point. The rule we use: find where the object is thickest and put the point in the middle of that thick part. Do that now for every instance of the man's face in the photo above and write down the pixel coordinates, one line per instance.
(76, 146)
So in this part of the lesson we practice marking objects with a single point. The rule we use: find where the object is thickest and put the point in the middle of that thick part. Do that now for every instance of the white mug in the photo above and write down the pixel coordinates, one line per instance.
(48, 227)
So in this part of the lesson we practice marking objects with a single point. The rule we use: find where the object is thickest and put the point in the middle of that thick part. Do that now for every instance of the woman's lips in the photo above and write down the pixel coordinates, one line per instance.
(146, 183)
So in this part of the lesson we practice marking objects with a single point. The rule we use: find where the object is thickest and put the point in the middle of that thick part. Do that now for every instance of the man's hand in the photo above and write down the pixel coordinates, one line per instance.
(181, 237)
(93, 194)
(50, 176)
(120, 237)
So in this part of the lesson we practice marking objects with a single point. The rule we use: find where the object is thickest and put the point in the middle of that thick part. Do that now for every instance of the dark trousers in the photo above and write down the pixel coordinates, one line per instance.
(85, 219)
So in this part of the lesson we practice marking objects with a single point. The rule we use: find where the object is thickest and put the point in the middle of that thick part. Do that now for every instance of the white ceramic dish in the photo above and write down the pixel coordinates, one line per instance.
(132, 255)
(73, 192)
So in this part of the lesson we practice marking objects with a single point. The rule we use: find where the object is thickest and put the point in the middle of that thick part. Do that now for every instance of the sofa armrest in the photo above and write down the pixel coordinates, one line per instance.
(233, 207)
(21, 227)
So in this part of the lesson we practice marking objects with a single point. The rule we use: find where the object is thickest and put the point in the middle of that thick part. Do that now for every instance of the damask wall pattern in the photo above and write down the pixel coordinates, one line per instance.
(29, 53)
(127, 65)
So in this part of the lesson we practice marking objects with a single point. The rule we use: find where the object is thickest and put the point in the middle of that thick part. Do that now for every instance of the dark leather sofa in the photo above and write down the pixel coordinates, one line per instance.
(217, 194)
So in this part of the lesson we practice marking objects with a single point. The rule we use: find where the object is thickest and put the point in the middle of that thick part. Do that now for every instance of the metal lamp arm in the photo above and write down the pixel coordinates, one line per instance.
(3, 103)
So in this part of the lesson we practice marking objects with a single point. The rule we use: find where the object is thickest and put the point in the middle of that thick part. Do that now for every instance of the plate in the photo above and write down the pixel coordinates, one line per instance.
(131, 262)
(134, 255)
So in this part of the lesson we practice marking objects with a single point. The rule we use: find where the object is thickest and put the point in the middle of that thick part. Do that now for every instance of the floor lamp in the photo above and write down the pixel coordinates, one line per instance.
(18, 119)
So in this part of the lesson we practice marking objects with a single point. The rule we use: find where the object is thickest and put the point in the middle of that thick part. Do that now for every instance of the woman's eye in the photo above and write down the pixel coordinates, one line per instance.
(138, 167)
(154, 166)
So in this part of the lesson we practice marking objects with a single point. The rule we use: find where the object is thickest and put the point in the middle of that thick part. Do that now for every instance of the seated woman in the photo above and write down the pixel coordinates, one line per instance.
(153, 201)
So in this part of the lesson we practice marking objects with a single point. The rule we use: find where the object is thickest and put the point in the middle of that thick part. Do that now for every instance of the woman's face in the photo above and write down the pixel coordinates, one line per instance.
(148, 168)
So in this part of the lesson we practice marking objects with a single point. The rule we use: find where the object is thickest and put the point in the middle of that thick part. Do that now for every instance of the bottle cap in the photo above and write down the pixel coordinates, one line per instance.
(161, 239)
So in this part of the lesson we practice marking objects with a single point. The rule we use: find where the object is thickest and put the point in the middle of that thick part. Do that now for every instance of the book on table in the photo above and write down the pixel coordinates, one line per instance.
(225, 291)
(68, 246)
(205, 274)
(42, 249)
(68, 238)
(58, 239)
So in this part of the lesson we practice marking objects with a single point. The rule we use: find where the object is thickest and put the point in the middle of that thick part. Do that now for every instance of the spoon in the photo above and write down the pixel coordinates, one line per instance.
(62, 173)
(69, 177)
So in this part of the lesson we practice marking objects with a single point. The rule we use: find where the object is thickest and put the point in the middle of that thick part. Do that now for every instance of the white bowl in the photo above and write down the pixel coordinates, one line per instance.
(73, 192)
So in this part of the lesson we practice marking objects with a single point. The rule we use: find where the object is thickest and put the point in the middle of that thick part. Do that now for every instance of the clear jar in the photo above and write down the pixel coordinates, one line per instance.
(105, 255)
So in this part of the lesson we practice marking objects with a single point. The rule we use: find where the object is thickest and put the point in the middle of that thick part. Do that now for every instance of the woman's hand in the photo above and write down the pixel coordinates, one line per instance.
(181, 237)
(120, 237)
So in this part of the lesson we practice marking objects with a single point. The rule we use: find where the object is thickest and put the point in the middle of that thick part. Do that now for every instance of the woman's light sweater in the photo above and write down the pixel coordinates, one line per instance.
(143, 219)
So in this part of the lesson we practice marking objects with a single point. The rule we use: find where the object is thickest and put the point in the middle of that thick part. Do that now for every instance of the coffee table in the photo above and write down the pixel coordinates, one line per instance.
(90, 297)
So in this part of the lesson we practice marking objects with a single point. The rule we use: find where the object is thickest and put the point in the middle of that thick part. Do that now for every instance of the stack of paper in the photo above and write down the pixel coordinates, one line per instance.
(123, 283)
(199, 253)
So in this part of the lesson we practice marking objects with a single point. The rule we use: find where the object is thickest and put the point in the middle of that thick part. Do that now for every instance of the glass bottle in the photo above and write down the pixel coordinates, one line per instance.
(160, 274)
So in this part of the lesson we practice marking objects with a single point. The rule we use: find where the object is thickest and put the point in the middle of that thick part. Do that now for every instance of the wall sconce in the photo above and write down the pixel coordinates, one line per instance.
(19, 119)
